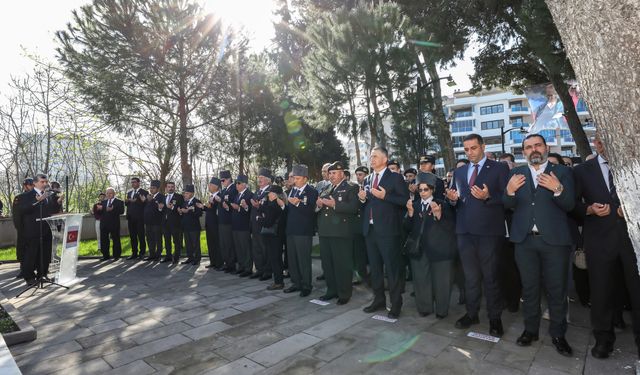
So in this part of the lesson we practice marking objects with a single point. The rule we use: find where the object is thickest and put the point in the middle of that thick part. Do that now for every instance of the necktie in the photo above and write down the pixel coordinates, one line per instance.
(375, 186)
(474, 175)
(110, 202)
(612, 187)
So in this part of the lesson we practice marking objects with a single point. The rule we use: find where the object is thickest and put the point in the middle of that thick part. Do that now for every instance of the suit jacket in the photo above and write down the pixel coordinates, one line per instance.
(301, 219)
(135, 210)
(171, 216)
(336, 222)
(16, 213)
(592, 188)
(257, 213)
(191, 220)
(30, 213)
(438, 240)
(211, 214)
(541, 207)
(111, 219)
(481, 217)
(387, 217)
(152, 214)
(227, 195)
(241, 218)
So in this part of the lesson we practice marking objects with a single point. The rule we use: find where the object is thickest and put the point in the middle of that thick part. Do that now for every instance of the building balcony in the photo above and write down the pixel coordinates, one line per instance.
(464, 114)
(519, 109)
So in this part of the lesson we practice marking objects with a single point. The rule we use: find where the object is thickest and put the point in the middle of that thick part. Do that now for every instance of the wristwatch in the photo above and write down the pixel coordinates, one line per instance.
(559, 189)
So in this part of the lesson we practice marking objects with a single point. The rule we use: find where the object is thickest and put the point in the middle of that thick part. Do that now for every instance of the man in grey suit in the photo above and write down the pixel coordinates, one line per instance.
(540, 195)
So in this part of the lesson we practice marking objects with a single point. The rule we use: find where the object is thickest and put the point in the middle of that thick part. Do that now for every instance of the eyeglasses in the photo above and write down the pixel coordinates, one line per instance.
(424, 190)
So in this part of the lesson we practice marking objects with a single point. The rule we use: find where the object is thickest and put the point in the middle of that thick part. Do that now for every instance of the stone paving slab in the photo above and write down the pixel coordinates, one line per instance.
(117, 321)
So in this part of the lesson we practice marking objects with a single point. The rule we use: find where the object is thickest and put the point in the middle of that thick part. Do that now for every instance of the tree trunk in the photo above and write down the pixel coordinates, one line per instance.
(382, 139)
(442, 126)
(185, 167)
(373, 133)
(603, 44)
(577, 131)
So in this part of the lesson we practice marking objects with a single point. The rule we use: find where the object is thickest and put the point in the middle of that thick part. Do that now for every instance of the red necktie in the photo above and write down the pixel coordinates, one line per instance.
(375, 186)
(474, 175)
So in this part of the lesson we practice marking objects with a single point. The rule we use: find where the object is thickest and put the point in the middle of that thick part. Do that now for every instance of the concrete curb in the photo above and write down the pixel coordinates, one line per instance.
(26, 332)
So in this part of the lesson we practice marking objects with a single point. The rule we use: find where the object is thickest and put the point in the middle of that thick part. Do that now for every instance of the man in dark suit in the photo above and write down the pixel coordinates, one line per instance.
(153, 216)
(241, 226)
(540, 195)
(384, 195)
(112, 208)
(608, 249)
(211, 225)
(359, 246)
(224, 199)
(300, 206)
(27, 186)
(33, 205)
(191, 212)
(258, 246)
(427, 164)
(172, 224)
(476, 193)
(135, 218)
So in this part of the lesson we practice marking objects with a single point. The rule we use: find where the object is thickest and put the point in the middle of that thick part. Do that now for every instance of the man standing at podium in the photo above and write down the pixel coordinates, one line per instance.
(34, 205)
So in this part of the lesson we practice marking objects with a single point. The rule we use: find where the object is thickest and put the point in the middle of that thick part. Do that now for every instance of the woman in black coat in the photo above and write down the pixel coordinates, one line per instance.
(432, 267)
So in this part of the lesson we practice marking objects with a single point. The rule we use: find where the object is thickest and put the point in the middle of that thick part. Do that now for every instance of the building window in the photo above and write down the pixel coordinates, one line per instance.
(498, 108)
(467, 112)
(495, 124)
(462, 126)
(460, 155)
(549, 135)
(517, 152)
(566, 135)
(517, 136)
(457, 141)
(495, 140)
(581, 106)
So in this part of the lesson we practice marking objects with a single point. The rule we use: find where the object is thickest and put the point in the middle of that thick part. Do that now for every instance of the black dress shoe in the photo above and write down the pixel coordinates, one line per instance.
(424, 314)
(375, 306)
(305, 292)
(255, 276)
(291, 289)
(526, 338)
(19, 275)
(265, 277)
(132, 257)
(342, 301)
(174, 262)
(195, 263)
(31, 282)
(321, 277)
(210, 266)
(602, 349)
(165, 260)
(495, 328)
(245, 274)
(466, 321)
(326, 298)
(393, 314)
(188, 261)
(562, 346)
(103, 259)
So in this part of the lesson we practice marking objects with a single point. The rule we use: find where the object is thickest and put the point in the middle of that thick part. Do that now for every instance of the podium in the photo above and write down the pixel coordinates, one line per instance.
(65, 235)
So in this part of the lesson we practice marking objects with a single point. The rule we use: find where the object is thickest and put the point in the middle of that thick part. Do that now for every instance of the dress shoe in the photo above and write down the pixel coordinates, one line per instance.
(291, 289)
(495, 328)
(424, 314)
(19, 275)
(31, 282)
(526, 338)
(466, 321)
(602, 349)
(305, 292)
(132, 257)
(230, 270)
(375, 306)
(321, 277)
(210, 266)
(265, 277)
(165, 260)
(245, 274)
(255, 276)
(326, 298)
(103, 259)
(188, 261)
(393, 314)
(195, 263)
(275, 287)
(174, 262)
(562, 346)
(342, 301)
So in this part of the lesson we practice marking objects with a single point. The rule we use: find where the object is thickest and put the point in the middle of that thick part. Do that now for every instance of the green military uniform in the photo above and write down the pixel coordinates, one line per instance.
(335, 229)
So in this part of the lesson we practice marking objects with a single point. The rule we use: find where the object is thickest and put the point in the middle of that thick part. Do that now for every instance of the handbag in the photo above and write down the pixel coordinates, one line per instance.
(411, 246)
(580, 259)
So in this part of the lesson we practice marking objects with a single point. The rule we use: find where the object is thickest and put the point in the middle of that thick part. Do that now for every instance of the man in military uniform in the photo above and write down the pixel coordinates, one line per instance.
(211, 224)
(172, 225)
(337, 211)
(153, 215)
(241, 226)
(259, 250)
(135, 218)
(427, 164)
(226, 196)
(359, 246)
(191, 225)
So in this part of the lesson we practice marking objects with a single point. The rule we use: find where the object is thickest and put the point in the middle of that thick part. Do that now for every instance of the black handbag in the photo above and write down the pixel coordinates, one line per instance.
(411, 246)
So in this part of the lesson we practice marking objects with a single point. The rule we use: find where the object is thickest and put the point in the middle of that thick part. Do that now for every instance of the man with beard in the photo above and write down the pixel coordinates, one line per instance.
(540, 195)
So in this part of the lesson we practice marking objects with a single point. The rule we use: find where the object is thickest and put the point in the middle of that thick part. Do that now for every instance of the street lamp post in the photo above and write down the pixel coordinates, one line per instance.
(420, 124)
(503, 132)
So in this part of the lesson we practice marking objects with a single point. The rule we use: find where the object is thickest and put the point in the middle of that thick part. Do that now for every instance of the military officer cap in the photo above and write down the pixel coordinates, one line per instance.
(275, 189)
(362, 169)
(427, 178)
(393, 162)
(411, 170)
(155, 183)
(265, 172)
(189, 188)
(224, 174)
(336, 166)
(242, 178)
(427, 159)
(215, 181)
(27, 181)
(300, 170)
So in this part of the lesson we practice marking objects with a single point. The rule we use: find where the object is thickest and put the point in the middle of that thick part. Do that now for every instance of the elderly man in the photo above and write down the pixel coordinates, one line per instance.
(191, 212)
(210, 207)
(258, 246)
(241, 226)
(384, 195)
(325, 183)
(153, 215)
(135, 218)
(171, 225)
(227, 195)
(111, 208)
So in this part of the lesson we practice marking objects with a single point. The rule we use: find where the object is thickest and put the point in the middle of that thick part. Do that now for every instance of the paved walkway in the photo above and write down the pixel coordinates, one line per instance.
(141, 318)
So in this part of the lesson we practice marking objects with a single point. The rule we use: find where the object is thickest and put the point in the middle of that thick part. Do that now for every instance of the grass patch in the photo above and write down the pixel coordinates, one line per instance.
(6, 323)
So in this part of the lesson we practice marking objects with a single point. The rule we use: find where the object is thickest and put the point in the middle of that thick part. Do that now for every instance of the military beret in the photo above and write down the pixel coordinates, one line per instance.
(427, 159)
(189, 188)
(215, 181)
(27, 181)
(411, 170)
(265, 172)
(362, 169)
(393, 162)
(224, 174)
(155, 183)
(336, 166)
(275, 189)
(242, 178)
(427, 178)
(300, 170)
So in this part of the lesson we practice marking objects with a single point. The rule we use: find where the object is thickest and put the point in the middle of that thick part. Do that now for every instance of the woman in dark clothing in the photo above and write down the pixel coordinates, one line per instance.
(432, 268)
(271, 217)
